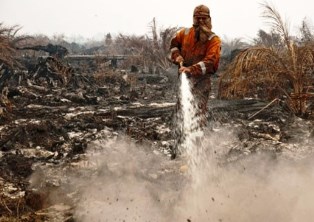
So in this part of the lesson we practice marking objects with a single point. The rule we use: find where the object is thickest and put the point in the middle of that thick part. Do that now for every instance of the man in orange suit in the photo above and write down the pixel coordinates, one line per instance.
(196, 50)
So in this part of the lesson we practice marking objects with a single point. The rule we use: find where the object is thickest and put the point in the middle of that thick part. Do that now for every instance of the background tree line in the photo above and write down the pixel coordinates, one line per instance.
(273, 65)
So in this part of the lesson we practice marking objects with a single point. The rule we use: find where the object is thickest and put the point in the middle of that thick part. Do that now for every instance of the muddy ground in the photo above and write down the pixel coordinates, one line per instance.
(63, 131)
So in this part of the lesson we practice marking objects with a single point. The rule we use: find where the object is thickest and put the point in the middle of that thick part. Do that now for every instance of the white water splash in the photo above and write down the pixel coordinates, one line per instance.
(191, 144)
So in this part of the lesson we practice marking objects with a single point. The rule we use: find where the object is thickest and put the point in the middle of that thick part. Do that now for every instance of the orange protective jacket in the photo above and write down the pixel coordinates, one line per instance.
(201, 58)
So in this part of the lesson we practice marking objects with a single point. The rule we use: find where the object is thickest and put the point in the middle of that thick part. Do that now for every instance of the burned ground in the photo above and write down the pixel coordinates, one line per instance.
(51, 113)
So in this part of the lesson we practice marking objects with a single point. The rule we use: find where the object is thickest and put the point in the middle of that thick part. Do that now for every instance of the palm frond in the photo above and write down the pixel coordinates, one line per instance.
(270, 71)
(273, 17)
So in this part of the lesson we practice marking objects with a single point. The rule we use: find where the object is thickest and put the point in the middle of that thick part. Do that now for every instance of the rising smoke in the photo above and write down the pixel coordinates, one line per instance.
(132, 183)
(123, 181)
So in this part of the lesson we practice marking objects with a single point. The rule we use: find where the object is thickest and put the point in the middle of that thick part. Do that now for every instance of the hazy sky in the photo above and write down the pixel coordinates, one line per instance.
(93, 18)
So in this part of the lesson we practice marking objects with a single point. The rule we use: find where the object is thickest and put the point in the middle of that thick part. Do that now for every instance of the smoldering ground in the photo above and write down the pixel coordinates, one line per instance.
(124, 181)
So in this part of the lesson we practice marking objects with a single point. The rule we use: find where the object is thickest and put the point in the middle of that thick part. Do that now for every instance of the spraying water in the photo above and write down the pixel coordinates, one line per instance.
(192, 133)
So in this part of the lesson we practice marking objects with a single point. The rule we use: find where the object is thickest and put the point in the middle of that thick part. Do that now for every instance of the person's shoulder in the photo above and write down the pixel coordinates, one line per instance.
(214, 37)
(184, 30)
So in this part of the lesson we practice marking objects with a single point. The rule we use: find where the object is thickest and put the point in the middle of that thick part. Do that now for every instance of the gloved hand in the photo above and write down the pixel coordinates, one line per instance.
(179, 59)
(186, 70)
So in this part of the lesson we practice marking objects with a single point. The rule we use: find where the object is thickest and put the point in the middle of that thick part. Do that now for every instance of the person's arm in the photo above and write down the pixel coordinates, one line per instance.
(175, 48)
(209, 64)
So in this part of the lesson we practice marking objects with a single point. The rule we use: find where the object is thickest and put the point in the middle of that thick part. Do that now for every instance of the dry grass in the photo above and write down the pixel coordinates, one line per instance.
(6, 48)
(149, 51)
(284, 71)
(8, 42)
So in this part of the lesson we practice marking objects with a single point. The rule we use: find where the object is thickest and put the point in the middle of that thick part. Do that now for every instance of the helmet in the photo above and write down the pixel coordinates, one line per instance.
(201, 10)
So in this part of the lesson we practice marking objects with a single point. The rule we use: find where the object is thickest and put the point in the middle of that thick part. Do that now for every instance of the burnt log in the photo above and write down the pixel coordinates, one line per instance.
(245, 109)
(53, 50)
(147, 112)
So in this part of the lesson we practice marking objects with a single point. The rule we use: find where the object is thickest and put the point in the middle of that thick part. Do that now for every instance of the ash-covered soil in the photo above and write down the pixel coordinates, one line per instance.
(96, 147)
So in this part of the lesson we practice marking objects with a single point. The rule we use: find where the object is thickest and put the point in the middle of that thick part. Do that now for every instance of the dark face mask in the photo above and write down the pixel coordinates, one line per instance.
(198, 23)
(197, 32)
